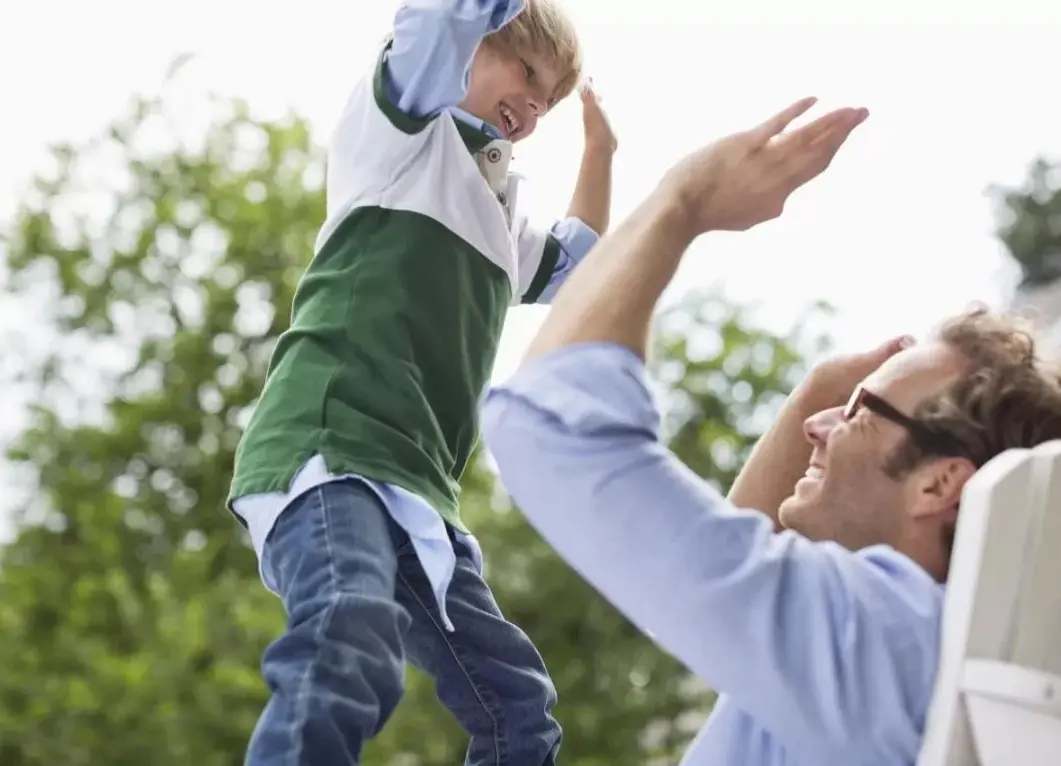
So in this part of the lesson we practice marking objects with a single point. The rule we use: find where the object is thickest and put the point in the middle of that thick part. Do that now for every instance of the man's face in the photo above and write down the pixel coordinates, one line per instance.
(846, 495)
(510, 91)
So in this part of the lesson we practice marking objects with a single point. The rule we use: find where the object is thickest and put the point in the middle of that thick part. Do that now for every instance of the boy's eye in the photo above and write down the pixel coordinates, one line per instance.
(528, 70)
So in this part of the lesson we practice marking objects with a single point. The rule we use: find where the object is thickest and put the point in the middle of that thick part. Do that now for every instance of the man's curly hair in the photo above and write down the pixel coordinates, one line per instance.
(1007, 397)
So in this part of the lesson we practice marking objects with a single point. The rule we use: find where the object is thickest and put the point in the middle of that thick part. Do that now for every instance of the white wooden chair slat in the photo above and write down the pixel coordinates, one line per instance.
(998, 690)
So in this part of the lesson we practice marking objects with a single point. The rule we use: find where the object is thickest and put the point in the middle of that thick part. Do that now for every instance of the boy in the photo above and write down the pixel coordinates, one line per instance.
(347, 475)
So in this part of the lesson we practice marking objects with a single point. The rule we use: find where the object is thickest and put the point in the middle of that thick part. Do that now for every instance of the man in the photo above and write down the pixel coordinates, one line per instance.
(822, 639)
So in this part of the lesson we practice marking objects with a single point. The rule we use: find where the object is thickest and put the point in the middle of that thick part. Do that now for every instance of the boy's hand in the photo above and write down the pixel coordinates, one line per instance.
(599, 133)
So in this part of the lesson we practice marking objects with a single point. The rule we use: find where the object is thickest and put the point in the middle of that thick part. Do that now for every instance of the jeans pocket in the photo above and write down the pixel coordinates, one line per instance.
(268, 565)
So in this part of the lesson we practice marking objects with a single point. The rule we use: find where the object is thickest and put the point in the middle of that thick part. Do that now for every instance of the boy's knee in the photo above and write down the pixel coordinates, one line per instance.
(336, 677)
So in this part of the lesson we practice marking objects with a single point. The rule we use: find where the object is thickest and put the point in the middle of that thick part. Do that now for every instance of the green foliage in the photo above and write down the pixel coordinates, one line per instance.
(725, 379)
(132, 629)
(131, 616)
(1029, 227)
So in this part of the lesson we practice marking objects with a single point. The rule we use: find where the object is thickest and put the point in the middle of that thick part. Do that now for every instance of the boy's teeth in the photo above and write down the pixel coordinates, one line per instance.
(506, 115)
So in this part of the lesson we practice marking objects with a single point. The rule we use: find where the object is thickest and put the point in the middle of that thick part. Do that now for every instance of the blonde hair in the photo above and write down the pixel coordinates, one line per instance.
(542, 28)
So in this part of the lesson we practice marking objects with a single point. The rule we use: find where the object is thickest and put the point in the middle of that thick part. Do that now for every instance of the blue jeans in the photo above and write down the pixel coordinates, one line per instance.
(359, 605)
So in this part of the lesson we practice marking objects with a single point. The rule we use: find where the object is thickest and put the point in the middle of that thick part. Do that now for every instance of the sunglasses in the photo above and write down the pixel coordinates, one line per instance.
(930, 441)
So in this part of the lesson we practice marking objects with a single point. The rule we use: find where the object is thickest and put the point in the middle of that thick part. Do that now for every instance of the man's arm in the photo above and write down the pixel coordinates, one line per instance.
(815, 642)
(432, 48)
(821, 646)
(779, 458)
(614, 296)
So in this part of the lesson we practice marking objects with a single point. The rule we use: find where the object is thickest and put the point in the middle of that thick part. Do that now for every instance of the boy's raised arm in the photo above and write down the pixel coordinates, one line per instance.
(548, 259)
(592, 200)
(431, 51)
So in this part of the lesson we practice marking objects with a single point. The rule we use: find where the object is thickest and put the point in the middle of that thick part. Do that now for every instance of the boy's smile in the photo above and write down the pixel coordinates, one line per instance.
(510, 91)
(509, 121)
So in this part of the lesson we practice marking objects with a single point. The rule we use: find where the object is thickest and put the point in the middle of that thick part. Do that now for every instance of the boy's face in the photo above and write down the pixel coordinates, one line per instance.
(510, 91)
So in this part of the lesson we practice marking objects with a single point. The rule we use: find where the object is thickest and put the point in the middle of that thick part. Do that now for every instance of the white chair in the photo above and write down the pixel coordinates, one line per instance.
(998, 692)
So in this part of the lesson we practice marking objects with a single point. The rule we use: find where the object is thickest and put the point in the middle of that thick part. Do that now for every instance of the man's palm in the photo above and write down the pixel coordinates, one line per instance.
(745, 179)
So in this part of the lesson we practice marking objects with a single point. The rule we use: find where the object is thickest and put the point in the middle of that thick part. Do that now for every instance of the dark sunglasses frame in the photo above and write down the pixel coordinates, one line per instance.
(929, 440)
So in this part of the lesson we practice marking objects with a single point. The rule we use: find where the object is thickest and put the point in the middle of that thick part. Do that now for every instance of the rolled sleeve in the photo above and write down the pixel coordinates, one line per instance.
(583, 387)
(547, 259)
(432, 49)
(811, 640)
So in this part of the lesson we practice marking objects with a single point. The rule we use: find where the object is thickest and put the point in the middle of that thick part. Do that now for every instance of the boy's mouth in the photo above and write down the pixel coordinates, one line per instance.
(511, 123)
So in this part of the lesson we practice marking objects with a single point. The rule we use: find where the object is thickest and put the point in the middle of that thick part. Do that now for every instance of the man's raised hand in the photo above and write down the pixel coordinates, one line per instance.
(745, 179)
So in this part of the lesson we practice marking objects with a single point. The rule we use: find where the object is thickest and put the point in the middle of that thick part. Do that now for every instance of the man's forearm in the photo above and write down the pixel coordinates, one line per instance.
(731, 185)
(592, 201)
(612, 295)
(779, 459)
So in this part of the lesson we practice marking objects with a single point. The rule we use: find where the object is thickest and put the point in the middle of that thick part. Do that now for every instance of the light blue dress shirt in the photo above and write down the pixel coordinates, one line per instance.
(427, 74)
(822, 657)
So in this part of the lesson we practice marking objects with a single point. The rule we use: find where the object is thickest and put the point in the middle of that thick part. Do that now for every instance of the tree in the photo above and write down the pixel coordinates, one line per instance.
(1029, 224)
(725, 379)
(131, 616)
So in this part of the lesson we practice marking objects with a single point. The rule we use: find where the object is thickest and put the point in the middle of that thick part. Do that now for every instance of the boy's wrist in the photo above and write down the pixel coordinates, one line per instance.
(600, 147)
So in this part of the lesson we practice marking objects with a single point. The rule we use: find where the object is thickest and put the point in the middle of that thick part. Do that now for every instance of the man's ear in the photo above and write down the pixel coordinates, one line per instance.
(938, 485)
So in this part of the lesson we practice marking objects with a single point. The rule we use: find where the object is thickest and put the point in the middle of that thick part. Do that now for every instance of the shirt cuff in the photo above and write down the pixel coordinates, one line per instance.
(588, 388)
(575, 239)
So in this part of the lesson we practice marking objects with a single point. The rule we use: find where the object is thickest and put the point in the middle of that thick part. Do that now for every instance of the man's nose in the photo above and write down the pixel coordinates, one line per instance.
(819, 425)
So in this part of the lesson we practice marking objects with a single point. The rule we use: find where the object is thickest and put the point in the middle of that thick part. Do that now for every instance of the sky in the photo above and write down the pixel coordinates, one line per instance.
(897, 234)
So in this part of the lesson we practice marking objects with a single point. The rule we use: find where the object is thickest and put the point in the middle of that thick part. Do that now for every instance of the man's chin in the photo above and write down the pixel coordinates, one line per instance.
(788, 511)
(794, 514)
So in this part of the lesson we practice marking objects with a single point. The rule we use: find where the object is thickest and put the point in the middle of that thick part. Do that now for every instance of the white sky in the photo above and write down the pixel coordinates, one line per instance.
(962, 95)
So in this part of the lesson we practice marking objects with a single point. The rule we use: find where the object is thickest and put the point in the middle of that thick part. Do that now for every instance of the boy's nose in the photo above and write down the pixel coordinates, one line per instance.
(537, 100)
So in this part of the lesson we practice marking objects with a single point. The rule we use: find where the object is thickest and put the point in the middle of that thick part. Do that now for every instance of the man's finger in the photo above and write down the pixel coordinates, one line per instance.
(828, 144)
(845, 121)
(820, 129)
(810, 133)
(781, 120)
(808, 160)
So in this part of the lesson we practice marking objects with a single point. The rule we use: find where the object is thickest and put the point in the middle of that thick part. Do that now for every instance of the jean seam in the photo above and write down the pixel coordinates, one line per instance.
(499, 749)
(306, 685)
